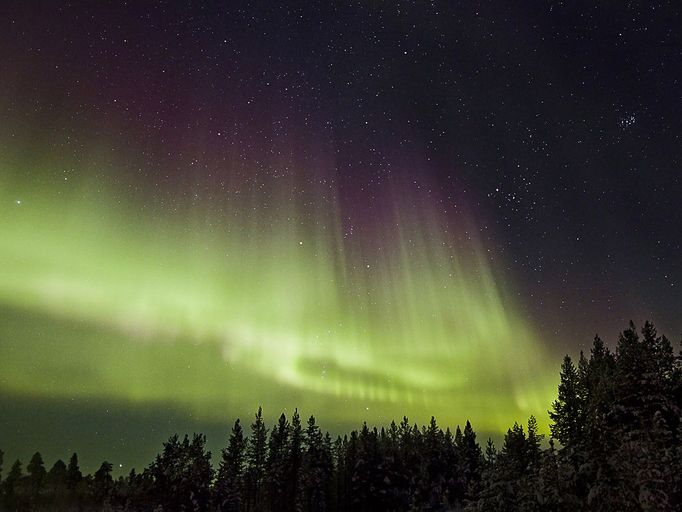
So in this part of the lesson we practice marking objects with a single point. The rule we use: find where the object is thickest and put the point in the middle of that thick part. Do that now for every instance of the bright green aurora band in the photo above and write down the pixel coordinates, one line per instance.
(259, 300)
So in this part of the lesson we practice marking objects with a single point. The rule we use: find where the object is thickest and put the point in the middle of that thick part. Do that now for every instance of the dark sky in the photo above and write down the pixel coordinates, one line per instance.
(552, 127)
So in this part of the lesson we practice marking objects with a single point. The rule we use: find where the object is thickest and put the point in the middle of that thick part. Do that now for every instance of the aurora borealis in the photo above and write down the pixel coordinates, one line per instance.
(364, 212)
(170, 312)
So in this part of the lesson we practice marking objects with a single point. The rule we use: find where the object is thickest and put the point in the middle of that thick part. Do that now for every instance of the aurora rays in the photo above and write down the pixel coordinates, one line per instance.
(219, 308)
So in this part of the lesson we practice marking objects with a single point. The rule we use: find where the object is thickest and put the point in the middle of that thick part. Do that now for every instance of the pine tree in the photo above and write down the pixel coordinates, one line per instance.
(409, 440)
(529, 492)
(200, 473)
(36, 473)
(103, 482)
(56, 476)
(676, 395)
(56, 483)
(598, 382)
(367, 480)
(534, 441)
(471, 460)
(294, 461)
(229, 483)
(547, 488)
(338, 453)
(351, 456)
(316, 470)
(567, 413)
(637, 473)
(396, 484)
(504, 490)
(73, 472)
(487, 496)
(327, 468)
(256, 454)
(580, 465)
(276, 462)
(10, 486)
(432, 483)
(182, 474)
(140, 493)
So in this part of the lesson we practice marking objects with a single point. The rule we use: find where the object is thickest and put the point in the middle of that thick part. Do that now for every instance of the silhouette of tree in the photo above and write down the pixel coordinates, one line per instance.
(396, 484)
(139, 493)
(471, 461)
(34, 481)
(547, 485)
(256, 454)
(55, 484)
(316, 470)
(57, 475)
(73, 472)
(643, 420)
(36, 472)
(276, 466)
(568, 407)
(351, 455)
(367, 478)
(11, 491)
(182, 474)
(338, 454)
(229, 484)
(294, 461)
(432, 482)
(534, 441)
(103, 482)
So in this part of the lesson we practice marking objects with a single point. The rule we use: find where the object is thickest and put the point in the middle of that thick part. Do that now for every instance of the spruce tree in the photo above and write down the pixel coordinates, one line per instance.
(487, 498)
(276, 462)
(316, 470)
(432, 482)
(567, 413)
(73, 472)
(10, 486)
(103, 482)
(229, 484)
(294, 461)
(36, 473)
(200, 473)
(256, 455)
(56, 482)
(350, 462)
(641, 427)
(505, 484)
(534, 441)
(471, 460)
(367, 480)
(338, 453)
(182, 474)
(547, 488)
(396, 483)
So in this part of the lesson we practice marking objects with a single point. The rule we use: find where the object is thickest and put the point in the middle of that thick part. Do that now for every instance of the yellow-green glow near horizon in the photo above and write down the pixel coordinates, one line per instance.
(215, 310)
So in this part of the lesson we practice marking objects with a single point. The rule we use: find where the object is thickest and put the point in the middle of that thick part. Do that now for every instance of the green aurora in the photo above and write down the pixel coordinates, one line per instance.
(219, 308)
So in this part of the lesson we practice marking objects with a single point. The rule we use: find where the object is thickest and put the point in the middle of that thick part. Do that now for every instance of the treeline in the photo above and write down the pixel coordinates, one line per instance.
(615, 446)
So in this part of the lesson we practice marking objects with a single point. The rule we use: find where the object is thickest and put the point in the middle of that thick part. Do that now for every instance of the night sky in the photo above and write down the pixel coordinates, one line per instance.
(362, 209)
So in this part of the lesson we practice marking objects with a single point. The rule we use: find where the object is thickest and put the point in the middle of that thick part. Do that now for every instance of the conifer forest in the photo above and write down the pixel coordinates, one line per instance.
(615, 445)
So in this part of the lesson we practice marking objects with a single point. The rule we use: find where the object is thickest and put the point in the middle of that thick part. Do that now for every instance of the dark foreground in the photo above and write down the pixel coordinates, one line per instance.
(615, 446)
